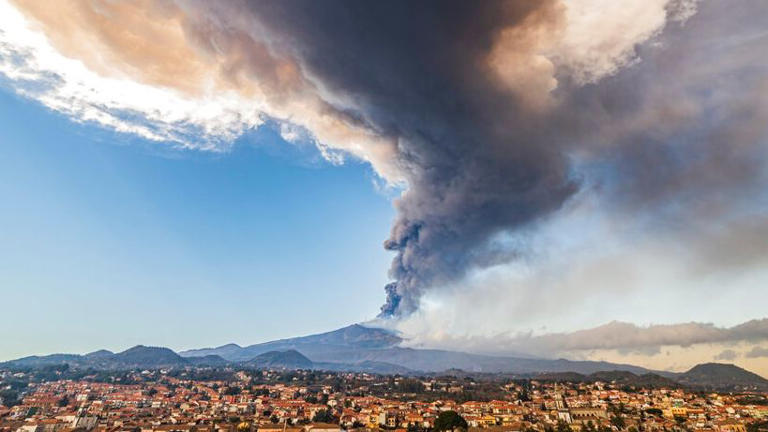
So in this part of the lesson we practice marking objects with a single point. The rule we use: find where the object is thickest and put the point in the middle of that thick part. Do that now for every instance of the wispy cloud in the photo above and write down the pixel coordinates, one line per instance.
(757, 352)
(616, 335)
(727, 355)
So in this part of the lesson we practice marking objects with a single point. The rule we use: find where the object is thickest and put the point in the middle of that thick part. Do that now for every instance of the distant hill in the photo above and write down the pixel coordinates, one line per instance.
(290, 359)
(364, 366)
(138, 356)
(41, 361)
(100, 354)
(228, 352)
(613, 376)
(561, 377)
(648, 380)
(655, 381)
(145, 356)
(209, 360)
(722, 376)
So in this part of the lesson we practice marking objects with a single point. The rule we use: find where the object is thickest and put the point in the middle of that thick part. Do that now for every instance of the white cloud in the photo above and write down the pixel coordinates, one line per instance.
(74, 61)
(587, 40)
(37, 70)
(601, 36)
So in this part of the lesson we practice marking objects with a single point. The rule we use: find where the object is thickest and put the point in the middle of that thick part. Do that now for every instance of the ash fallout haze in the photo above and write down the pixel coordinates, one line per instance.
(579, 179)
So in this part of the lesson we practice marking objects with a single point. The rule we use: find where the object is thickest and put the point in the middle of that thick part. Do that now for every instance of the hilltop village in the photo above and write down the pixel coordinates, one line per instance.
(312, 401)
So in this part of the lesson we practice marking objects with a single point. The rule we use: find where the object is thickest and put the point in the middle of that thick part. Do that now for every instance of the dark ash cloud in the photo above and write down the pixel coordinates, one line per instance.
(679, 135)
(498, 112)
(476, 162)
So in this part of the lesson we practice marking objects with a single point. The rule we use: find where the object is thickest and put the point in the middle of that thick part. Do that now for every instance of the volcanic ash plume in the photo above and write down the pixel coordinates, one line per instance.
(490, 115)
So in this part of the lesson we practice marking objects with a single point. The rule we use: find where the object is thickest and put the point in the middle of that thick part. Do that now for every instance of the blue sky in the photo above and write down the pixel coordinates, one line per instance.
(109, 241)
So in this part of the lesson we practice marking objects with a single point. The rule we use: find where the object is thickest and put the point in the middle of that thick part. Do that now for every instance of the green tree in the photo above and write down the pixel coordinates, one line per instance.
(232, 391)
(324, 416)
(655, 411)
(9, 398)
(449, 420)
(413, 428)
(758, 427)
(410, 386)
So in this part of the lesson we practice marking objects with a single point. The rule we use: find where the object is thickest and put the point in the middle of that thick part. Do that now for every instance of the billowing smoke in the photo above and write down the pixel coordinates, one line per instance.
(493, 105)
(476, 158)
(492, 115)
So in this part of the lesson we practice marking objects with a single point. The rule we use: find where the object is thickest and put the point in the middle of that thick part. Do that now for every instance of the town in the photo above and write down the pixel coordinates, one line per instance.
(56, 399)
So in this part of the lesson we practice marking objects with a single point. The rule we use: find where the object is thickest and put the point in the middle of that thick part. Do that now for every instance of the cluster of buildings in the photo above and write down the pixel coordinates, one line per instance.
(174, 404)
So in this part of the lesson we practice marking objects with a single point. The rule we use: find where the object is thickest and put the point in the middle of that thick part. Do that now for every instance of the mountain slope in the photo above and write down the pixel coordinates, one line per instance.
(228, 351)
(40, 361)
(356, 344)
(141, 355)
(138, 356)
(723, 377)
(100, 354)
(290, 359)
(356, 336)
(208, 360)
(648, 380)
(364, 366)
(438, 360)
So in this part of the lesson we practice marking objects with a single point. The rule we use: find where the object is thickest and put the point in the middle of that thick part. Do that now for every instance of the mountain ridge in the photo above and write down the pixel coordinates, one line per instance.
(355, 335)
(356, 344)
(358, 348)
